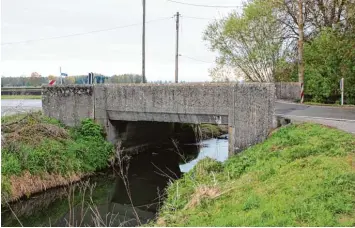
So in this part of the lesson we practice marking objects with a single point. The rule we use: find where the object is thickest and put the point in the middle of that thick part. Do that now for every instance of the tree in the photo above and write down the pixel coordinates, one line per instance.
(126, 78)
(225, 73)
(70, 80)
(35, 79)
(330, 57)
(252, 42)
(317, 14)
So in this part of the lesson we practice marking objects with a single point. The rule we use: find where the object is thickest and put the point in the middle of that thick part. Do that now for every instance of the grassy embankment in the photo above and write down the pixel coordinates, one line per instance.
(303, 175)
(20, 97)
(39, 153)
(212, 131)
(332, 105)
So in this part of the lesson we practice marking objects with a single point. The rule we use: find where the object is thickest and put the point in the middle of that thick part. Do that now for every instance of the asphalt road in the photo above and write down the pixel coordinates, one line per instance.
(311, 111)
(342, 118)
(12, 106)
(339, 117)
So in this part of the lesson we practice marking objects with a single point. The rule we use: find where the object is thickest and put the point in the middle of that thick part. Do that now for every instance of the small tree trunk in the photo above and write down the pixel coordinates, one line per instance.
(300, 48)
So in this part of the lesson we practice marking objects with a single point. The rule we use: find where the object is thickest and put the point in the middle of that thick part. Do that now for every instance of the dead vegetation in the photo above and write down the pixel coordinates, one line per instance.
(201, 193)
(32, 129)
(28, 184)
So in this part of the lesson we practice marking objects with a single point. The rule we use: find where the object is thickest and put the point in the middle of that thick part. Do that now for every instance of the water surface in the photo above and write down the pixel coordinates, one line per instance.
(108, 199)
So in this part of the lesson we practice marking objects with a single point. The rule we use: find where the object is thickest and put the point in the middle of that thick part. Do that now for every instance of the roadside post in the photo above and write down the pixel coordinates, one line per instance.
(342, 91)
(51, 82)
(91, 78)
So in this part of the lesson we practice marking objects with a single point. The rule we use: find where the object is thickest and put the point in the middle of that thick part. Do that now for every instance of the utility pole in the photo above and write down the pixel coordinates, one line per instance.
(300, 48)
(61, 77)
(342, 91)
(143, 45)
(177, 49)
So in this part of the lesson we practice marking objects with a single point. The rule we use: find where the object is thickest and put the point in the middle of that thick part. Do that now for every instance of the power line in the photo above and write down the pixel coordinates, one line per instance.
(84, 33)
(198, 5)
(200, 18)
(192, 58)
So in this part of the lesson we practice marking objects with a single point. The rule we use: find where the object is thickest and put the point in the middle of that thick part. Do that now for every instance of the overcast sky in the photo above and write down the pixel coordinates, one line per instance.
(110, 52)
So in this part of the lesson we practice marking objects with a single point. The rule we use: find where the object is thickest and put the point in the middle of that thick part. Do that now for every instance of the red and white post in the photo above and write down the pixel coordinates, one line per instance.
(302, 92)
(51, 82)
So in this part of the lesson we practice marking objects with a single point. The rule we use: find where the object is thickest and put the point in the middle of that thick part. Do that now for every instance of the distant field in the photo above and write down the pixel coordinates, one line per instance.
(21, 97)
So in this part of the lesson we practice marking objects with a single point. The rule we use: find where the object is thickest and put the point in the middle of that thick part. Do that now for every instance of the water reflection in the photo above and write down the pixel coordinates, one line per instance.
(213, 148)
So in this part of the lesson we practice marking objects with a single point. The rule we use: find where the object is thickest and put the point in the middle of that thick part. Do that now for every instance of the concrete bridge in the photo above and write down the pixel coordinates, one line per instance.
(247, 109)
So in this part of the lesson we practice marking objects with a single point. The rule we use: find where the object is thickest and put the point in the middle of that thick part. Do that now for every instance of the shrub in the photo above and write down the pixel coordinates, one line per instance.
(89, 128)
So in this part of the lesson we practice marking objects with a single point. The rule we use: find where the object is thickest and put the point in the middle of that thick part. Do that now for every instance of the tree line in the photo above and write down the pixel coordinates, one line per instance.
(261, 45)
(37, 80)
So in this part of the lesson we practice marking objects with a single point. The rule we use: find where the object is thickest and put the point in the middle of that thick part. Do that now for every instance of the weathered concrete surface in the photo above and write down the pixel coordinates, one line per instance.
(69, 103)
(248, 108)
(288, 90)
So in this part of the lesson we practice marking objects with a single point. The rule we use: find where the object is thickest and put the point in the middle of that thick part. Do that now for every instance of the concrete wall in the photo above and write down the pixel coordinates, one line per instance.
(182, 103)
(288, 90)
(68, 103)
(247, 108)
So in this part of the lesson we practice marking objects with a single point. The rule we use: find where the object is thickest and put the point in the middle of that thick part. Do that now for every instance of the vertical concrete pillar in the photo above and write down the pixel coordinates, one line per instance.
(251, 115)
(100, 112)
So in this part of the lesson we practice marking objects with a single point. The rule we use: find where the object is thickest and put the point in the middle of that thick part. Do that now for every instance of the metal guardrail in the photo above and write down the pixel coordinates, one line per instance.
(21, 90)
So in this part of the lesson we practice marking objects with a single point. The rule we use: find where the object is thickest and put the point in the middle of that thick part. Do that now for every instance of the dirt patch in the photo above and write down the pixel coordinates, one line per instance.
(345, 218)
(161, 222)
(28, 184)
(351, 160)
(203, 192)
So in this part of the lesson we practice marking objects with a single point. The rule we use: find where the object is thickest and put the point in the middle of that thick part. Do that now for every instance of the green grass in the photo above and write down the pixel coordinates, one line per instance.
(14, 118)
(303, 175)
(333, 105)
(21, 97)
(40, 145)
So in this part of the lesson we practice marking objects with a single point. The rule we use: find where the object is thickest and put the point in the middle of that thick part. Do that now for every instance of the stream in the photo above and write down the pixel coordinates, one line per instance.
(106, 199)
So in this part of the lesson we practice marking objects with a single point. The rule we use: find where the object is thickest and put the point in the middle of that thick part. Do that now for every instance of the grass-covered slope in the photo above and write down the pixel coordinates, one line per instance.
(38, 153)
(303, 175)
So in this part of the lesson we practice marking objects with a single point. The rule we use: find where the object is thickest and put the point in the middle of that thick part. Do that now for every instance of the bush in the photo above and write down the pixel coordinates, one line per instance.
(89, 128)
